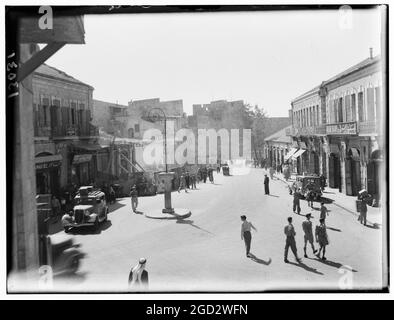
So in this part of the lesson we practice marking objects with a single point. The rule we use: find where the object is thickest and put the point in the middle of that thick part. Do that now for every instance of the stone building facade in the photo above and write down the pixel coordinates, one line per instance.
(338, 128)
(65, 141)
(221, 114)
(276, 148)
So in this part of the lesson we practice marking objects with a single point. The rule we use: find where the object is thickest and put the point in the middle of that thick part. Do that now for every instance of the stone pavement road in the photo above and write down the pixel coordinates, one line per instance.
(205, 252)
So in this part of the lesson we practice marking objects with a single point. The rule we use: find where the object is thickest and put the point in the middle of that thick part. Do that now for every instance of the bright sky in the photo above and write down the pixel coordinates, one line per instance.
(264, 58)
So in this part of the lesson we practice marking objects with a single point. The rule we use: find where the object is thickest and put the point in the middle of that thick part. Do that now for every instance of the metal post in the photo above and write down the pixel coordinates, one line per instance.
(165, 142)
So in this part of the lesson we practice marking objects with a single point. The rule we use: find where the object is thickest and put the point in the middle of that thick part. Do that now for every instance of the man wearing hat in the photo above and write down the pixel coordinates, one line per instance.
(134, 197)
(266, 184)
(138, 277)
(308, 233)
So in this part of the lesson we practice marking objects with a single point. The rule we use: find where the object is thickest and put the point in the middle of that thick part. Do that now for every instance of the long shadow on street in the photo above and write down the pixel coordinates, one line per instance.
(261, 261)
(307, 268)
(335, 264)
(191, 223)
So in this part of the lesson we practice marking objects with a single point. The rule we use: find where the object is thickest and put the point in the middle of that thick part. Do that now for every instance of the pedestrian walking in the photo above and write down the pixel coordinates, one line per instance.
(204, 174)
(210, 174)
(246, 233)
(308, 234)
(322, 181)
(112, 197)
(296, 201)
(266, 184)
(187, 180)
(194, 181)
(134, 198)
(363, 198)
(56, 207)
(321, 238)
(309, 198)
(323, 211)
(182, 184)
(139, 277)
(290, 240)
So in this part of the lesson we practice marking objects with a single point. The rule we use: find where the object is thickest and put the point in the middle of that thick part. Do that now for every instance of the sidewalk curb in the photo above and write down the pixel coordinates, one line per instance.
(356, 214)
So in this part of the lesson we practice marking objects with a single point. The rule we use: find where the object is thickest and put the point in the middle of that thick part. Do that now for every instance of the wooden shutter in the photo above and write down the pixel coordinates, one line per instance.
(348, 114)
(378, 105)
(370, 105)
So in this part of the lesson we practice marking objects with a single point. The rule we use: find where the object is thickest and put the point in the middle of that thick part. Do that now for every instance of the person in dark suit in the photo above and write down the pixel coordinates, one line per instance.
(266, 184)
(296, 201)
(139, 277)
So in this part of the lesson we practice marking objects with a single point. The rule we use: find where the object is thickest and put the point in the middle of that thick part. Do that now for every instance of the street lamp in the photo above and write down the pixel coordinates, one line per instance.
(154, 117)
(167, 176)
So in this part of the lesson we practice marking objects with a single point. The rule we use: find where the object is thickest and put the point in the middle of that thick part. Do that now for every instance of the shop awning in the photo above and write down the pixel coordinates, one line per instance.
(82, 158)
(298, 153)
(290, 153)
(89, 147)
(48, 162)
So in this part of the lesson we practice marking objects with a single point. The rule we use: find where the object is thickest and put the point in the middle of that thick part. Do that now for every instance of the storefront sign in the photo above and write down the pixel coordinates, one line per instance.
(81, 158)
(48, 162)
(342, 128)
(47, 165)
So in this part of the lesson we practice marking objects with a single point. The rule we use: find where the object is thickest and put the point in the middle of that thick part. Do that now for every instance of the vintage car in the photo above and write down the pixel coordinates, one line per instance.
(308, 183)
(90, 209)
(60, 253)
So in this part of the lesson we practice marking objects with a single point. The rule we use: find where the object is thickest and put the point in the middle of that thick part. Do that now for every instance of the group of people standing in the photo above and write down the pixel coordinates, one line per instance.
(187, 181)
(321, 237)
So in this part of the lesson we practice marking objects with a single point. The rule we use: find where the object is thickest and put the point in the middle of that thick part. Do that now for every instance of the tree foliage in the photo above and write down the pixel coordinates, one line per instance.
(255, 118)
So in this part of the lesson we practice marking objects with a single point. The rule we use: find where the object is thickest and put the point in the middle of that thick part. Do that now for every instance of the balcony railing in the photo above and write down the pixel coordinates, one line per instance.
(367, 127)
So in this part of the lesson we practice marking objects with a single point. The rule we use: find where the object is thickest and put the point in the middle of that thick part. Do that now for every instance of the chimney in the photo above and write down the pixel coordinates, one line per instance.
(370, 53)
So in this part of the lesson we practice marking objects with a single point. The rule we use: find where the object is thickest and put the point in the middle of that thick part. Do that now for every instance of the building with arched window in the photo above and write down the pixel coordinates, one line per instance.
(339, 127)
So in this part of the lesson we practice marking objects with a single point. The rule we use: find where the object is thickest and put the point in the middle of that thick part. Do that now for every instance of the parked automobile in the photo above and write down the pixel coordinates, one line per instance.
(90, 209)
(308, 183)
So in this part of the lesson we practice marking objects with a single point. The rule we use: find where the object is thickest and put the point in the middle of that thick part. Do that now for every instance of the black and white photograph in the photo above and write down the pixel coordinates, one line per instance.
(196, 149)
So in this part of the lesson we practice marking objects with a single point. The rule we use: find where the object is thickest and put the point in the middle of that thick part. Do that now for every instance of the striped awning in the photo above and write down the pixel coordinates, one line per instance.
(290, 153)
(298, 153)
